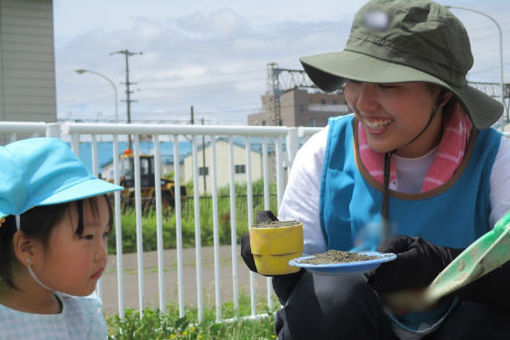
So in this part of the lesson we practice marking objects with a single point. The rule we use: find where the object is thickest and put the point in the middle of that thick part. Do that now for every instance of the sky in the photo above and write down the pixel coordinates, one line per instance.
(214, 54)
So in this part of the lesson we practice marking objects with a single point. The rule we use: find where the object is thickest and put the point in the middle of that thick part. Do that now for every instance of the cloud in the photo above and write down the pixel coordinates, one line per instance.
(214, 59)
(223, 23)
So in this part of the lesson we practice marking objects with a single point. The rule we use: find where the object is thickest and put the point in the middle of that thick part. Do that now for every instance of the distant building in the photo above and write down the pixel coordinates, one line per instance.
(222, 163)
(302, 108)
(27, 61)
(105, 156)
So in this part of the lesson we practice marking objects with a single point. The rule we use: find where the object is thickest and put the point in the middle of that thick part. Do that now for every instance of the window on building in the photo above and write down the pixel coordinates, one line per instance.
(313, 122)
(203, 171)
(335, 102)
(323, 101)
(239, 168)
(301, 107)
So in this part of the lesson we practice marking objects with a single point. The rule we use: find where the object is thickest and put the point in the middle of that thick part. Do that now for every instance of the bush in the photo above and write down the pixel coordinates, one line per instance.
(156, 325)
(188, 221)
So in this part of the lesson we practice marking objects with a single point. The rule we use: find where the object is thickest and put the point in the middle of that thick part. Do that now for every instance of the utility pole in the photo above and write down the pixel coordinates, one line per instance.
(192, 115)
(128, 100)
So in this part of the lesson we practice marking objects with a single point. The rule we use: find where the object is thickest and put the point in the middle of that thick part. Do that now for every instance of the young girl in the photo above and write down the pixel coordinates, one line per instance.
(54, 224)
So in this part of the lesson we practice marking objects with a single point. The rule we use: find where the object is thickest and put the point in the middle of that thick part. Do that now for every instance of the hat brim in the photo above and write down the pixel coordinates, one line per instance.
(330, 70)
(78, 191)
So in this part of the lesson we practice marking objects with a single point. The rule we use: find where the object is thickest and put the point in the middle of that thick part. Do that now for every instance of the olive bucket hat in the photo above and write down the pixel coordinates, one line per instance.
(405, 41)
(44, 171)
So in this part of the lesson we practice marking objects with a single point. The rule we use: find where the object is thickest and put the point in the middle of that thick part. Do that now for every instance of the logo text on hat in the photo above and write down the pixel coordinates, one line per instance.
(376, 20)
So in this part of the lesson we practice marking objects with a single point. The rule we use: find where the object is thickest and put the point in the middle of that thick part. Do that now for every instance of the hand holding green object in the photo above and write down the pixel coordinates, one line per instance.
(487, 253)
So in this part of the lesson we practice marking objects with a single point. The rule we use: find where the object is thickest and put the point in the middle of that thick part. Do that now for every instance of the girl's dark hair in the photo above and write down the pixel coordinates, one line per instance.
(38, 223)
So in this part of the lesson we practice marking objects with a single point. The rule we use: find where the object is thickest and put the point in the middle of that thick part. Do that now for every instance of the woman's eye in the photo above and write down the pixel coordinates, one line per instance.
(87, 237)
(352, 82)
(387, 86)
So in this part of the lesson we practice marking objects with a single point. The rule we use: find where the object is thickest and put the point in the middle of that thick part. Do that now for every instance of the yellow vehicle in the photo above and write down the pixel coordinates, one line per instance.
(148, 191)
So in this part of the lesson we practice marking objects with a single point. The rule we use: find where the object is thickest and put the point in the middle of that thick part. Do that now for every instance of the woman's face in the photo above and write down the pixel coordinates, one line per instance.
(395, 113)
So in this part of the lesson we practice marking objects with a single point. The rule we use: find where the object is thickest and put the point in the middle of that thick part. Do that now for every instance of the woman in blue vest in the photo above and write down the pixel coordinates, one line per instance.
(418, 153)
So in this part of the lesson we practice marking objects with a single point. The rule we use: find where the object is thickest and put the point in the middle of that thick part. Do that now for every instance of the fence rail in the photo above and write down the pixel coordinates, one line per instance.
(279, 146)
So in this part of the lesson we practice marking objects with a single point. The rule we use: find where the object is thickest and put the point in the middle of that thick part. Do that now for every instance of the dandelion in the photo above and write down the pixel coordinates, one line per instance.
(273, 336)
(184, 333)
(172, 336)
(191, 328)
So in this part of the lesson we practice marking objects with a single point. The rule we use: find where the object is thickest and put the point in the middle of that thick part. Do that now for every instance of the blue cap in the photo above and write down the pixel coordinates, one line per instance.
(44, 171)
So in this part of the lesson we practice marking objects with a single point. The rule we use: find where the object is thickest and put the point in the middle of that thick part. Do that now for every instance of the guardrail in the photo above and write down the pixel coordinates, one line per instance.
(284, 141)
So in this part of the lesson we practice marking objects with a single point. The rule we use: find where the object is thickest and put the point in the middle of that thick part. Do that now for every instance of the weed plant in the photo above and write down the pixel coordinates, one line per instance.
(188, 220)
(156, 325)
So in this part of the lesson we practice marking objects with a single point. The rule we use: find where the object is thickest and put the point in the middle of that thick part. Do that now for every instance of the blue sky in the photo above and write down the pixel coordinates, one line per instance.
(213, 54)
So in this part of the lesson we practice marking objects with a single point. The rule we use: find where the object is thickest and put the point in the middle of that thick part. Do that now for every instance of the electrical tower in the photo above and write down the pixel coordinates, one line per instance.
(273, 94)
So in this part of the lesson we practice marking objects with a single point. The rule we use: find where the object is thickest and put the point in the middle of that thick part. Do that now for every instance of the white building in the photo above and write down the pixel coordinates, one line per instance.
(222, 164)
(27, 61)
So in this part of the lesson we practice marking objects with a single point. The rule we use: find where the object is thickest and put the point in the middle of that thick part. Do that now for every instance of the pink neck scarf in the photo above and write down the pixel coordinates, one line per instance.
(456, 132)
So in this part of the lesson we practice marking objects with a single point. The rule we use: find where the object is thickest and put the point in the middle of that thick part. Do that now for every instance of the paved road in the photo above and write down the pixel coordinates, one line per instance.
(109, 279)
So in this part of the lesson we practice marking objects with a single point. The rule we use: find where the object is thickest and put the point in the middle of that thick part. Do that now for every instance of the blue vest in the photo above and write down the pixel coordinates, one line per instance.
(454, 214)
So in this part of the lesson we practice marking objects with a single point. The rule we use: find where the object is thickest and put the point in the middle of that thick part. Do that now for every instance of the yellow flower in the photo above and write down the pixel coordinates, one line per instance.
(172, 336)
(184, 333)
(191, 328)
(200, 337)
(273, 336)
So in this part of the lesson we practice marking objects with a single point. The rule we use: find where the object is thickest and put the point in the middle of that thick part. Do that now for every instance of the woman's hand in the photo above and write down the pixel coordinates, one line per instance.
(418, 263)
(246, 254)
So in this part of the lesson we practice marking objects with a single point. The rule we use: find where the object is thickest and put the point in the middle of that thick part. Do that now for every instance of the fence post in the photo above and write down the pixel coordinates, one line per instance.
(292, 145)
(53, 130)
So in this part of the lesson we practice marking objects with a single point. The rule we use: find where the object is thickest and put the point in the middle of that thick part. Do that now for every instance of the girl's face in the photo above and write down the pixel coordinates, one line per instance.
(393, 114)
(72, 263)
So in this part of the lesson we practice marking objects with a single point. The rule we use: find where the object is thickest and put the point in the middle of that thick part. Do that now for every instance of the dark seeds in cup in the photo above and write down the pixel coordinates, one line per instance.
(337, 256)
(276, 224)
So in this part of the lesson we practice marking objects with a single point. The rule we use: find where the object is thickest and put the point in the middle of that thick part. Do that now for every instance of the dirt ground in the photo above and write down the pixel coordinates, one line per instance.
(151, 290)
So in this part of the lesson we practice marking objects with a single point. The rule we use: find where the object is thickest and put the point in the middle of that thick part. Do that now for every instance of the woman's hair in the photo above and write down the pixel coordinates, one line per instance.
(38, 223)
(449, 106)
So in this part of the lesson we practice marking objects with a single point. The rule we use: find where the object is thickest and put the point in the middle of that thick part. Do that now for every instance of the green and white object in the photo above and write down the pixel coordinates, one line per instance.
(487, 253)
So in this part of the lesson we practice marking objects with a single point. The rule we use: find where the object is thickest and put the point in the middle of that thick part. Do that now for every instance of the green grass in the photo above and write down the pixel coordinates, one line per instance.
(156, 325)
(188, 221)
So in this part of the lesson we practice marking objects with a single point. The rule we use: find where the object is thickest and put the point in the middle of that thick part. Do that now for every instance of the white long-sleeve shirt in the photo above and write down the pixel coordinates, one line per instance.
(301, 198)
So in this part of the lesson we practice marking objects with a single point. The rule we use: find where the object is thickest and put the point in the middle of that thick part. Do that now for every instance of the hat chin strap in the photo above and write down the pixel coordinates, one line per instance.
(387, 161)
(29, 267)
(31, 271)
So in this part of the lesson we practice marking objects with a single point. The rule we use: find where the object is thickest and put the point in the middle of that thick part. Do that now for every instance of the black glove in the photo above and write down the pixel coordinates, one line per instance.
(491, 289)
(417, 264)
(262, 216)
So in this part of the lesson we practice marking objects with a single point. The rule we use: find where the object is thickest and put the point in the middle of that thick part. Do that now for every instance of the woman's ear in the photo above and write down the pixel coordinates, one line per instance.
(25, 247)
(443, 98)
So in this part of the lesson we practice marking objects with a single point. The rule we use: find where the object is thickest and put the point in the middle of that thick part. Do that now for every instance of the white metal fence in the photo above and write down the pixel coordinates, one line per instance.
(284, 142)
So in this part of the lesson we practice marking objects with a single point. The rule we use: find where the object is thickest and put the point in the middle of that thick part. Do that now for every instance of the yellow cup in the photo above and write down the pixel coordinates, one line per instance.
(274, 246)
